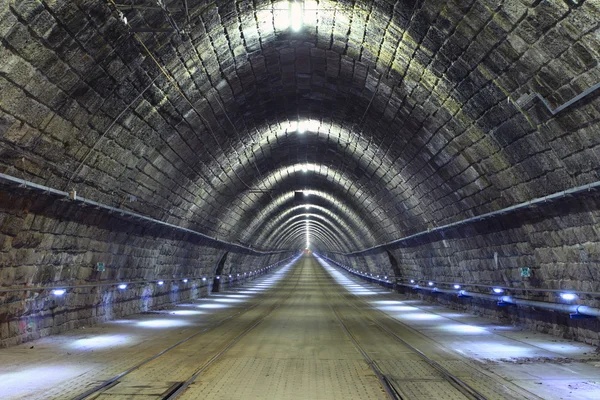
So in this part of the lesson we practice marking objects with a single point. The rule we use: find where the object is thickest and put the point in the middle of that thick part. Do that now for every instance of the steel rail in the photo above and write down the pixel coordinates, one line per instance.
(389, 389)
(109, 382)
(453, 379)
(232, 343)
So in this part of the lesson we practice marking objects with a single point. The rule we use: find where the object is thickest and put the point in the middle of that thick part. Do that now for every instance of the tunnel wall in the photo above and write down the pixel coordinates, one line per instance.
(49, 242)
(559, 242)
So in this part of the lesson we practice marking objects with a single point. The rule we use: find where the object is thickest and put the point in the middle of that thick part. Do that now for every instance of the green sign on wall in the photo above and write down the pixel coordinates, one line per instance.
(525, 272)
(100, 267)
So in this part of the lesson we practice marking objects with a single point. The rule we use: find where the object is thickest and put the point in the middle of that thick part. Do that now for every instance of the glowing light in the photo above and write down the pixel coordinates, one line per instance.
(456, 286)
(385, 277)
(498, 290)
(430, 283)
(301, 125)
(123, 286)
(203, 278)
(230, 276)
(412, 281)
(185, 281)
(281, 15)
(568, 296)
(59, 292)
(296, 14)
(218, 277)
(160, 283)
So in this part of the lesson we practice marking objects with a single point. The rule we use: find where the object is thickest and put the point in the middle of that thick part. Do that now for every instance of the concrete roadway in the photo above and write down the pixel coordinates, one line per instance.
(291, 344)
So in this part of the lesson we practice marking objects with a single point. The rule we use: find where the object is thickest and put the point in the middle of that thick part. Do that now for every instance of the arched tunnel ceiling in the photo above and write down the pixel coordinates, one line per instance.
(397, 115)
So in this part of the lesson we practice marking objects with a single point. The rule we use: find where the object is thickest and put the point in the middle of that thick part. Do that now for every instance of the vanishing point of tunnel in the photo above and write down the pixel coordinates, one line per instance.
(299, 199)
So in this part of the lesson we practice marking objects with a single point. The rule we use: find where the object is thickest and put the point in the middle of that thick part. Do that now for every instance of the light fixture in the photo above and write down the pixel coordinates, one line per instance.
(160, 283)
(430, 283)
(412, 281)
(122, 286)
(385, 277)
(203, 278)
(218, 277)
(296, 15)
(307, 206)
(301, 124)
(568, 296)
(498, 290)
(59, 292)
(230, 276)
(282, 17)
(185, 281)
(456, 286)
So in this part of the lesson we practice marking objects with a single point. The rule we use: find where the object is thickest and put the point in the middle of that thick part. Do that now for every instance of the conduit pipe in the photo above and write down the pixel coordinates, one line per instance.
(578, 190)
(575, 309)
(80, 200)
(525, 100)
(205, 279)
(569, 308)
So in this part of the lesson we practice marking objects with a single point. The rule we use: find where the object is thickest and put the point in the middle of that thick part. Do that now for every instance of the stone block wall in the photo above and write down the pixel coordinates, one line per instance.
(558, 241)
(48, 242)
(30, 314)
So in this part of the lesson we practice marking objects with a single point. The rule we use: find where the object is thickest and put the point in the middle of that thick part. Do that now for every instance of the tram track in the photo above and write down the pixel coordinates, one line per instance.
(177, 389)
(393, 391)
(467, 390)
(232, 343)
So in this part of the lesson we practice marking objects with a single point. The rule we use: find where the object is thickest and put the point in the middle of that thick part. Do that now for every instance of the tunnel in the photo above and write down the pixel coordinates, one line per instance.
(357, 199)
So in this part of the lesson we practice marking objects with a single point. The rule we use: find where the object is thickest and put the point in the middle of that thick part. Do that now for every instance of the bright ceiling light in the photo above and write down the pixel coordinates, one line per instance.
(498, 290)
(301, 126)
(160, 283)
(123, 286)
(281, 15)
(296, 15)
(59, 292)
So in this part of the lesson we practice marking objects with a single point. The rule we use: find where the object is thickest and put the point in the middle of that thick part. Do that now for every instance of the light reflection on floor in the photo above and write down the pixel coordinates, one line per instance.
(212, 305)
(162, 323)
(463, 328)
(14, 383)
(122, 335)
(471, 336)
(185, 312)
(100, 341)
